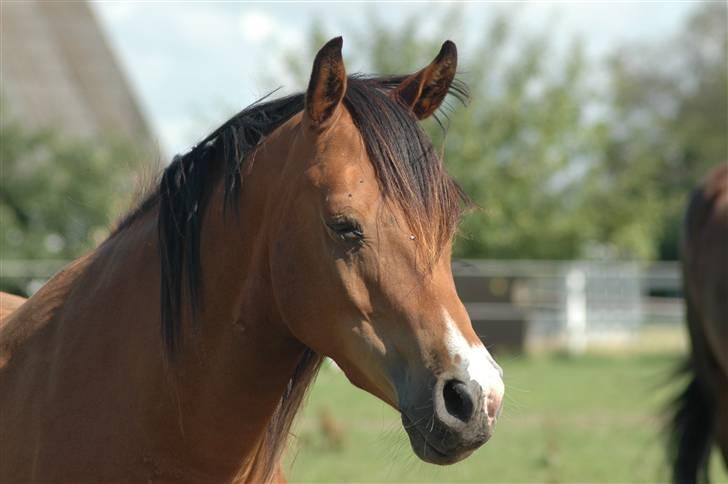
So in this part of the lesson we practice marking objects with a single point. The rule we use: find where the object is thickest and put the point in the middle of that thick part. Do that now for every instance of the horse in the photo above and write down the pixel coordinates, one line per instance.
(8, 304)
(314, 225)
(700, 418)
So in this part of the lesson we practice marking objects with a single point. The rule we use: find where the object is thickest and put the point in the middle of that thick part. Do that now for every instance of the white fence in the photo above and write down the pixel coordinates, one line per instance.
(575, 304)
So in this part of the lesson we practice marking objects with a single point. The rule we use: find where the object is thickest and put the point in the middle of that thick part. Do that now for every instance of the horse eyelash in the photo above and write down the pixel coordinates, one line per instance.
(361, 241)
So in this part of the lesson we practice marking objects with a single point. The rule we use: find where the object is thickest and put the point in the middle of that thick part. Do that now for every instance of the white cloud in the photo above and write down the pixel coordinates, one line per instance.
(114, 11)
(178, 134)
(257, 26)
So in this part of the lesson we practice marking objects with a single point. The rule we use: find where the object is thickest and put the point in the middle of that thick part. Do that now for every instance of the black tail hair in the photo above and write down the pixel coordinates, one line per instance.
(691, 430)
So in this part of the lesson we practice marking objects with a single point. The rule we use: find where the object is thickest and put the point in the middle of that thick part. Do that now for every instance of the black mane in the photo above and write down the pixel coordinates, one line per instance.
(183, 195)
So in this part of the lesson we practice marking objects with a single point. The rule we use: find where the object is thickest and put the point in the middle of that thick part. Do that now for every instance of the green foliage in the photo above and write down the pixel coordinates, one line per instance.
(561, 166)
(515, 148)
(670, 110)
(57, 197)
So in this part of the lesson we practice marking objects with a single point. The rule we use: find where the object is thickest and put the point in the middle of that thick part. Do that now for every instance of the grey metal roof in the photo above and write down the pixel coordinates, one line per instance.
(57, 70)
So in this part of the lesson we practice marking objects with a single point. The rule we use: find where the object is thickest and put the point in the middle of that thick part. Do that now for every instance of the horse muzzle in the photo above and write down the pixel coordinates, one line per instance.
(455, 419)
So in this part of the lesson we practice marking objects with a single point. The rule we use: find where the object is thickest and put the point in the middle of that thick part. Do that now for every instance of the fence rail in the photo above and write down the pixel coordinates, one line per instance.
(573, 304)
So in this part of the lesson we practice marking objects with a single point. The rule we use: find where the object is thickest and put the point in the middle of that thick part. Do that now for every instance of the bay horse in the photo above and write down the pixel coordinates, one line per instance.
(315, 225)
(701, 416)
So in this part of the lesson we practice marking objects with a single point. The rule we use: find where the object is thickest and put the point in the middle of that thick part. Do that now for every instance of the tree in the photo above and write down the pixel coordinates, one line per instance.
(57, 197)
(670, 117)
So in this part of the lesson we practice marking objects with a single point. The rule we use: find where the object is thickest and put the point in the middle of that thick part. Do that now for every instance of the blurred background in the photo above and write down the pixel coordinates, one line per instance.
(589, 123)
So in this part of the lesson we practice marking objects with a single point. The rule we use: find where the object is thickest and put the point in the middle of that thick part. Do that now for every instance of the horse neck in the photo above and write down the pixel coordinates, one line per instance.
(240, 356)
(205, 410)
(237, 356)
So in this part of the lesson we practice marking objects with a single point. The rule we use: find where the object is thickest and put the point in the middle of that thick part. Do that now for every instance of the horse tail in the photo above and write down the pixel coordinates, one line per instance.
(691, 428)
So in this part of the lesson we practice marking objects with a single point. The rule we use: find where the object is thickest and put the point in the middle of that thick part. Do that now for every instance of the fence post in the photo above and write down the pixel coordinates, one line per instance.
(576, 311)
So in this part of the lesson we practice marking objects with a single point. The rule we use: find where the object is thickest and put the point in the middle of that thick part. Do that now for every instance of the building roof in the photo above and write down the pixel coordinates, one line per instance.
(57, 71)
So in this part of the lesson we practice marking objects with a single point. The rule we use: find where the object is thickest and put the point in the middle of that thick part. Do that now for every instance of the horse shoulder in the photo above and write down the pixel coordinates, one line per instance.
(21, 319)
(8, 304)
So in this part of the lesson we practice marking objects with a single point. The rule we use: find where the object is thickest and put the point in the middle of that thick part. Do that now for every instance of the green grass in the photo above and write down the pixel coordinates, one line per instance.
(593, 419)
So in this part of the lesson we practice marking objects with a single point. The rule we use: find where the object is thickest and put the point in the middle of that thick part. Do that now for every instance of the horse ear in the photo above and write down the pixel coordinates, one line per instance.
(424, 91)
(327, 85)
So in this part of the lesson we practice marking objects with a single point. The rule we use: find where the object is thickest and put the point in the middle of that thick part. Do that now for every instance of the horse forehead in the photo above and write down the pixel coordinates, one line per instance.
(343, 165)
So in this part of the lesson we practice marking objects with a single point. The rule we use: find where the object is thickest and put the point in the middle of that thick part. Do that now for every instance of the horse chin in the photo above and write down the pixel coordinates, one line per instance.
(427, 450)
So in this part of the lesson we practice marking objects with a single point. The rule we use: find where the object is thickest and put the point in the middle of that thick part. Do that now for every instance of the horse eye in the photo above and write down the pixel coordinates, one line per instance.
(347, 230)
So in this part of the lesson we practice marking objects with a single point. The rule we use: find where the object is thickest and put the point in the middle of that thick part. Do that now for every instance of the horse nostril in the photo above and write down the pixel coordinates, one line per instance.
(458, 400)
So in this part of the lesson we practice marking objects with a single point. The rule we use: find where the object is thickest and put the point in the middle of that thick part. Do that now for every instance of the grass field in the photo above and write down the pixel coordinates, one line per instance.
(592, 419)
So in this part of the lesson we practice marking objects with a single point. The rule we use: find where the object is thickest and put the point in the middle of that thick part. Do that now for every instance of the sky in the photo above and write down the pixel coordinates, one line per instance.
(193, 64)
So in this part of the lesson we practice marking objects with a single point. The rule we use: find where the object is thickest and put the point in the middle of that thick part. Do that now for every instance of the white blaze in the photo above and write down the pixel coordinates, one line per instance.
(477, 362)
